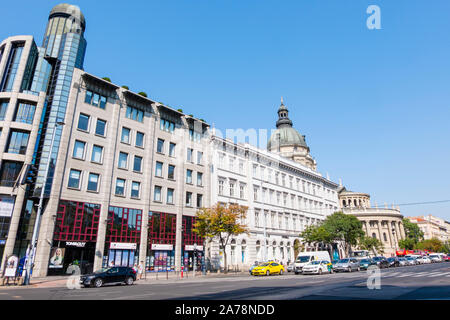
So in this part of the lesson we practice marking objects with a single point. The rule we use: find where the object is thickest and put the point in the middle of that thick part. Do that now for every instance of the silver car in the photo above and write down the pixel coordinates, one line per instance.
(411, 261)
(348, 265)
(403, 262)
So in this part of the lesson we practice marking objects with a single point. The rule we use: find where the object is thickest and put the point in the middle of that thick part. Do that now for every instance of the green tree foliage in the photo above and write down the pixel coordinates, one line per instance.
(412, 231)
(222, 221)
(180, 110)
(143, 94)
(370, 244)
(126, 87)
(407, 244)
(107, 79)
(434, 245)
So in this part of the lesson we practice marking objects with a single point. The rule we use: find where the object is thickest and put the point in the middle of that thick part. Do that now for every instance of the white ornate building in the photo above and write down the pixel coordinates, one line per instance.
(283, 196)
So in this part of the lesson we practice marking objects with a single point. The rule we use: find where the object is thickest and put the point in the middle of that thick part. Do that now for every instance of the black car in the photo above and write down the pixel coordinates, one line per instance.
(366, 263)
(393, 262)
(109, 275)
(381, 262)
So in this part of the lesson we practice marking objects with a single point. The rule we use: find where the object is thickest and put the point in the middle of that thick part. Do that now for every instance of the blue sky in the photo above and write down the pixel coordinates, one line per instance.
(374, 104)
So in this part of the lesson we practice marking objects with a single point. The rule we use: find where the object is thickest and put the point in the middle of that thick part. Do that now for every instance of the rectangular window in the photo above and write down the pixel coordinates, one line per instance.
(189, 199)
(95, 99)
(157, 194)
(172, 149)
(190, 155)
(78, 149)
(12, 66)
(135, 189)
(123, 160)
(171, 172)
(170, 196)
(189, 176)
(135, 114)
(100, 129)
(120, 187)
(93, 182)
(97, 154)
(18, 142)
(3, 109)
(139, 139)
(232, 184)
(221, 185)
(160, 146)
(166, 125)
(9, 173)
(199, 179)
(199, 201)
(83, 122)
(125, 135)
(25, 113)
(137, 165)
(74, 179)
(199, 157)
(88, 97)
(159, 169)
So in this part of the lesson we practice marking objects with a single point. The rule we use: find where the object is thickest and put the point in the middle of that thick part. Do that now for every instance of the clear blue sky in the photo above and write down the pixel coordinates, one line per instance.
(374, 105)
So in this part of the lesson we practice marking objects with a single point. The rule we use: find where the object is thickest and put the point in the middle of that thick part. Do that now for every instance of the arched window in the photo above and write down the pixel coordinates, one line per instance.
(384, 237)
(374, 235)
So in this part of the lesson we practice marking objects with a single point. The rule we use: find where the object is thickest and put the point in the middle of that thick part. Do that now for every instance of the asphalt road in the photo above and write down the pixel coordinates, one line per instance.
(414, 282)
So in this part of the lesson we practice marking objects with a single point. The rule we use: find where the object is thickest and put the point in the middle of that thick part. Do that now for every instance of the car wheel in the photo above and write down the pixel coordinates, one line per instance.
(98, 283)
(268, 273)
(320, 271)
(349, 269)
(281, 272)
(359, 269)
(129, 281)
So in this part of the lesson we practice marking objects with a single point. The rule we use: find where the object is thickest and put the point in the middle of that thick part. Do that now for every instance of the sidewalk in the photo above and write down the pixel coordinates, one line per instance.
(149, 278)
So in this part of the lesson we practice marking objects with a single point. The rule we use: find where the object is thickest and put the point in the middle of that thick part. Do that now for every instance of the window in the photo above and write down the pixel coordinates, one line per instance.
(170, 196)
(10, 172)
(139, 139)
(199, 157)
(123, 160)
(74, 179)
(199, 179)
(83, 122)
(134, 114)
(231, 164)
(100, 129)
(256, 219)
(18, 142)
(137, 165)
(78, 149)
(172, 149)
(25, 113)
(3, 109)
(221, 183)
(157, 194)
(171, 172)
(160, 146)
(125, 135)
(189, 199)
(95, 99)
(120, 187)
(199, 201)
(255, 193)
(190, 155)
(97, 154)
(135, 189)
(194, 135)
(189, 176)
(159, 169)
(166, 125)
(12, 65)
(241, 167)
(242, 191)
(232, 184)
(93, 182)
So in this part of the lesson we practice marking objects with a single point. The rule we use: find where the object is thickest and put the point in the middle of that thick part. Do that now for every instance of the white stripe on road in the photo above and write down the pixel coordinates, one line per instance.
(128, 297)
(442, 274)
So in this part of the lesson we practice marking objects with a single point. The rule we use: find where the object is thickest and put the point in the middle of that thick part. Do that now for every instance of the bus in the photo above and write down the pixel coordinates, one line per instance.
(360, 254)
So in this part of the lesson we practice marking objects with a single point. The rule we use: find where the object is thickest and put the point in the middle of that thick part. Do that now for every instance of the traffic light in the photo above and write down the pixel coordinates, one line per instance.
(30, 175)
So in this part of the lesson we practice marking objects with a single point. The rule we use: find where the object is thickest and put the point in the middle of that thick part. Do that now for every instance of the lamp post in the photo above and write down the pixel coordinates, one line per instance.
(31, 253)
(195, 257)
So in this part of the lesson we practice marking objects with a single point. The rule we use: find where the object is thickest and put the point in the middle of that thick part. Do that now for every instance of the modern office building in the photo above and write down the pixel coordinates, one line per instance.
(34, 90)
(284, 195)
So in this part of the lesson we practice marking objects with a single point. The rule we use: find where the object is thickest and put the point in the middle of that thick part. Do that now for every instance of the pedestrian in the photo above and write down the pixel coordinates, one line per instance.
(111, 264)
(135, 268)
(141, 269)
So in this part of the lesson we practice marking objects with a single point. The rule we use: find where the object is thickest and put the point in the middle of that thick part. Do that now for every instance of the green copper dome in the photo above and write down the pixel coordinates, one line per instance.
(285, 135)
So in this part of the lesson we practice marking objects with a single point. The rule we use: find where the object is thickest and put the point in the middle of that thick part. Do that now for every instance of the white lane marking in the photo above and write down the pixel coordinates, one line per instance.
(442, 274)
(409, 274)
(420, 274)
(134, 296)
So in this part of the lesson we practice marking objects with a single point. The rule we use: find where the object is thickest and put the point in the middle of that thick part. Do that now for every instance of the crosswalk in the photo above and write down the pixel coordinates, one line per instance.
(416, 274)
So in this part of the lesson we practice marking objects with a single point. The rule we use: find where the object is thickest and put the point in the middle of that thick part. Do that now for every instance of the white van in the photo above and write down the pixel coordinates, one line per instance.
(306, 257)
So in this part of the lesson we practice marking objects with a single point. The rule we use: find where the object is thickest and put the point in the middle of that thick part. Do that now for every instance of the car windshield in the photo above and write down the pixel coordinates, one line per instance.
(343, 261)
(303, 259)
(377, 258)
(410, 258)
(315, 262)
(391, 259)
(264, 264)
(365, 261)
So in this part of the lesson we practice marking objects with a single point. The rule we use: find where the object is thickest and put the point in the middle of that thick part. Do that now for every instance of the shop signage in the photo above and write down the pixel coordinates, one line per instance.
(6, 206)
(2, 242)
(123, 246)
(191, 248)
(56, 258)
(163, 247)
(76, 244)
(11, 266)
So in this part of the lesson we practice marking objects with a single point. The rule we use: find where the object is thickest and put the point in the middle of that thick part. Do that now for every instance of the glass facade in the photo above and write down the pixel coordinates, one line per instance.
(18, 142)
(9, 172)
(11, 67)
(25, 113)
(124, 225)
(3, 109)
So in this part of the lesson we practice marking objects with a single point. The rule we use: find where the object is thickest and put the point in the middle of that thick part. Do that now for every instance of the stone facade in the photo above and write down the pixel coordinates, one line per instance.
(432, 227)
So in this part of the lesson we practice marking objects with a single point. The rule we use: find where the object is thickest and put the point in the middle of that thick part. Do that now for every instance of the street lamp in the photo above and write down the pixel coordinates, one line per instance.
(195, 256)
(31, 252)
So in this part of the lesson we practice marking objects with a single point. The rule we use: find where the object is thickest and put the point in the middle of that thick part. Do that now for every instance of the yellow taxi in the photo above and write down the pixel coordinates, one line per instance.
(268, 268)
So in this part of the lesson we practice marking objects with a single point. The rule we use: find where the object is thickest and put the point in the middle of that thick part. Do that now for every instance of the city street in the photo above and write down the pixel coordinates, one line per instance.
(414, 282)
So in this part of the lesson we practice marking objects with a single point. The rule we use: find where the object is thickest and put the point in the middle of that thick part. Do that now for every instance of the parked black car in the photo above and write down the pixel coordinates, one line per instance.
(381, 262)
(393, 262)
(109, 275)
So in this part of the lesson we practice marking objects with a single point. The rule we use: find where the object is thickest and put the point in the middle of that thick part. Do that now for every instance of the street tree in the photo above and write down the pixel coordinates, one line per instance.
(434, 245)
(407, 244)
(317, 234)
(412, 232)
(222, 221)
(370, 244)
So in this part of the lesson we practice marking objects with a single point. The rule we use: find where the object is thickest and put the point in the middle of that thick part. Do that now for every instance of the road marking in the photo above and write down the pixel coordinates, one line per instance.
(406, 275)
(134, 296)
(441, 274)
(420, 274)
(17, 297)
